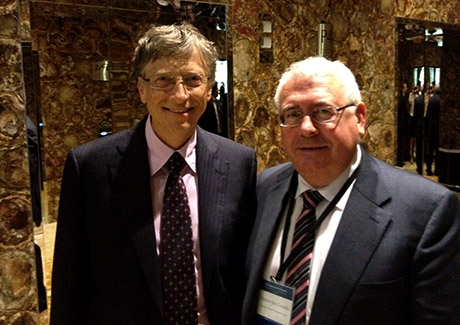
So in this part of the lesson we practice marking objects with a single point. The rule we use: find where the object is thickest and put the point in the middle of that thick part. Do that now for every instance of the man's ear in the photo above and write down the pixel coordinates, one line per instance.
(143, 91)
(361, 114)
(209, 94)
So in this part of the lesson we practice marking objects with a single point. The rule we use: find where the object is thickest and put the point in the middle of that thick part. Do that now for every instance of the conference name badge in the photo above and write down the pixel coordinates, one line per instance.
(275, 304)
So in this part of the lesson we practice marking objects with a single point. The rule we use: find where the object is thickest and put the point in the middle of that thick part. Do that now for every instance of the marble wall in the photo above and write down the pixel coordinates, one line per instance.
(71, 36)
(84, 51)
(18, 297)
(364, 38)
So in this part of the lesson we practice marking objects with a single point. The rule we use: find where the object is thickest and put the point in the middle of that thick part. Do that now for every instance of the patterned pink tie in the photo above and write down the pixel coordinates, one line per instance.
(298, 272)
(177, 259)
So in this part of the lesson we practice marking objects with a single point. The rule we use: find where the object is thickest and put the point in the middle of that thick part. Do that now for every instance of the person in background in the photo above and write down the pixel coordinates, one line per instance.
(224, 109)
(341, 237)
(432, 131)
(403, 126)
(427, 93)
(211, 119)
(154, 221)
(412, 125)
(418, 119)
(35, 189)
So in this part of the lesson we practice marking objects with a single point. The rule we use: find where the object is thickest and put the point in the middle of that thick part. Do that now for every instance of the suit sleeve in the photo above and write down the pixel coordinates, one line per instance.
(69, 279)
(436, 274)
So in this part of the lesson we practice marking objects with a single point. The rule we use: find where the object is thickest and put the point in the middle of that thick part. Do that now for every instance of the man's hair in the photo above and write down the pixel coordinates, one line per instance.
(178, 41)
(321, 68)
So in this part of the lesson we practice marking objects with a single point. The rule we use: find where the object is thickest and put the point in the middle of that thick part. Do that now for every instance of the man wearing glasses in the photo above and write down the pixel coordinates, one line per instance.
(154, 221)
(341, 237)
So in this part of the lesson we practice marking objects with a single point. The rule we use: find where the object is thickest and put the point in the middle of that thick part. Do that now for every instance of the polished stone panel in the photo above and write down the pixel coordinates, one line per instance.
(74, 103)
(18, 303)
(364, 38)
(82, 33)
(77, 101)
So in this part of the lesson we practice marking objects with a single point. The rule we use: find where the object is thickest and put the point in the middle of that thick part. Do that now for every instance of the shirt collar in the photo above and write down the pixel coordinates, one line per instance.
(330, 190)
(159, 152)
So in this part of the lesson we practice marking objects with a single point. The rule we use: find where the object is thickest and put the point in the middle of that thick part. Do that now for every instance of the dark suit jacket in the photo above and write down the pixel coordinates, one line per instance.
(395, 257)
(34, 170)
(419, 108)
(208, 121)
(106, 269)
(432, 116)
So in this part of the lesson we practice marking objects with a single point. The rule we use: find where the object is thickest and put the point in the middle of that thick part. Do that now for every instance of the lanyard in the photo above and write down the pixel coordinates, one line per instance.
(292, 187)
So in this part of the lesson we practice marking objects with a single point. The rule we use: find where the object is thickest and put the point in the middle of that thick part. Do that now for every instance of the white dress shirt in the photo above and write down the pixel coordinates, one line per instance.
(325, 233)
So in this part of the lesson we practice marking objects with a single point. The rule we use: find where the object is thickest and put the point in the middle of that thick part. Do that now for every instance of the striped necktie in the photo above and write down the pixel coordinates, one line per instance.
(298, 272)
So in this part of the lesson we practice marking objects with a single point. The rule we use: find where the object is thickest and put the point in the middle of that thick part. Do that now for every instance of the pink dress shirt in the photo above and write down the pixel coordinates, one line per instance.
(158, 154)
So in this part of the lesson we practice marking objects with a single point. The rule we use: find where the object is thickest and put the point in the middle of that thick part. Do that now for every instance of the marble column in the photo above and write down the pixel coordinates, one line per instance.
(18, 296)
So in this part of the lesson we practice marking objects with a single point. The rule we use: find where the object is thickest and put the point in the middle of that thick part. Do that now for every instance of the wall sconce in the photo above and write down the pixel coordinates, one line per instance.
(265, 39)
(325, 40)
(164, 3)
(101, 70)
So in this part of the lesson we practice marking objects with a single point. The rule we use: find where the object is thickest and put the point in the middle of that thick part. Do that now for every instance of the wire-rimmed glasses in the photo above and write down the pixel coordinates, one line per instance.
(191, 81)
(322, 115)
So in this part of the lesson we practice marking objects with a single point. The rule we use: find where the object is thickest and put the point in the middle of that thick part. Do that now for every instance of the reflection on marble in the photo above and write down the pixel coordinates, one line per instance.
(73, 105)
(447, 58)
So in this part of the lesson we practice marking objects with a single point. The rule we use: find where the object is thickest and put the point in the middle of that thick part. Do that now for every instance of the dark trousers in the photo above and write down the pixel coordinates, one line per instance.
(432, 155)
(42, 303)
(419, 154)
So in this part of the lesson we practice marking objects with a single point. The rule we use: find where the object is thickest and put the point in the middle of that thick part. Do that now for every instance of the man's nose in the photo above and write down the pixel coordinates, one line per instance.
(179, 90)
(307, 126)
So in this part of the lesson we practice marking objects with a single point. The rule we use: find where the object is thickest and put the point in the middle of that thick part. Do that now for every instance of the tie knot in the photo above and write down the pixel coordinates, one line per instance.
(312, 198)
(175, 163)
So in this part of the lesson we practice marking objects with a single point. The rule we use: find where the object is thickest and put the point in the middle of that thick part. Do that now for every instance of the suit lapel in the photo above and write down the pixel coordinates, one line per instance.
(361, 228)
(271, 204)
(133, 204)
(213, 176)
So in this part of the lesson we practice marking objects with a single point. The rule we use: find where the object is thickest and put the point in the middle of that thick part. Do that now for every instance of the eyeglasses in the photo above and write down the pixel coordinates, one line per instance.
(167, 82)
(292, 118)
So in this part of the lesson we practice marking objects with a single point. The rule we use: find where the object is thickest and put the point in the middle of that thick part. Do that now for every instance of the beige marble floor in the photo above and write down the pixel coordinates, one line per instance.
(44, 237)
(412, 167)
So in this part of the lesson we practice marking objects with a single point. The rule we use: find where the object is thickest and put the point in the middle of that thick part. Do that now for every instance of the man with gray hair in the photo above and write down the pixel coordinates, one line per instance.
(154, 221)
(341, 237)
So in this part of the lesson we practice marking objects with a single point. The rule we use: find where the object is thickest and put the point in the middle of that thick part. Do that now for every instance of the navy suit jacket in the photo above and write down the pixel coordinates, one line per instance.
(106, 268)
(395, 257)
